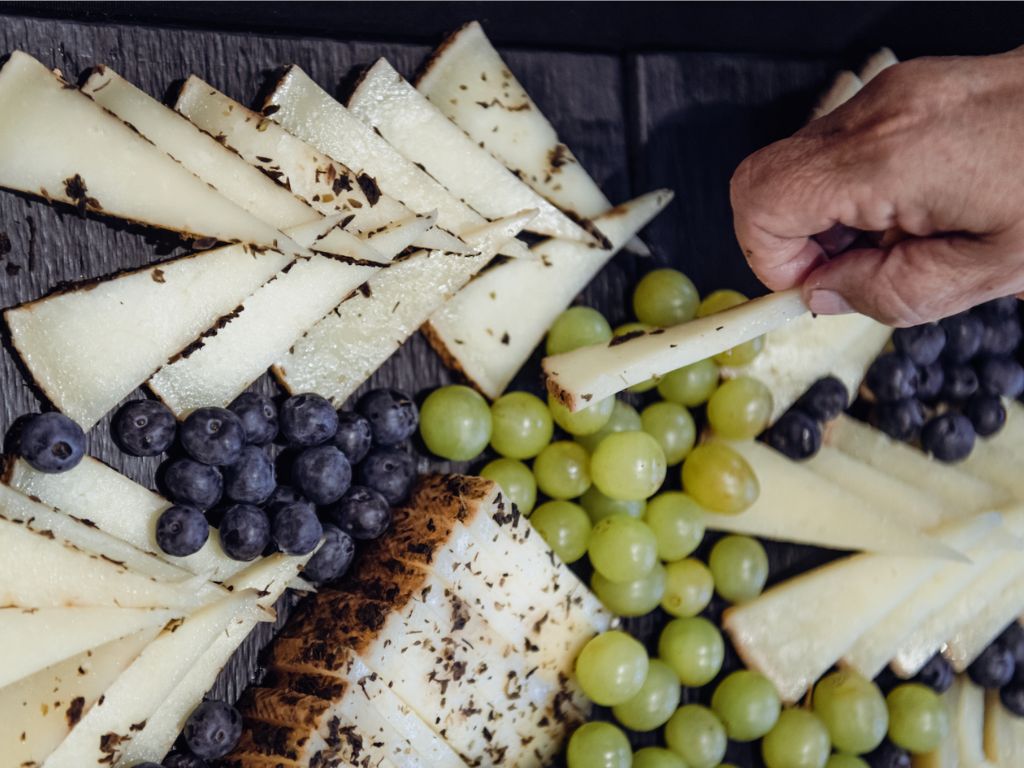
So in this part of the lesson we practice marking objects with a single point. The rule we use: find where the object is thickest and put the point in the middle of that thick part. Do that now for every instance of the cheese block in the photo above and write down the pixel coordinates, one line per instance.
(342, 350)
(267, 578)
(387, 103)
(482, 331)
(116, 505)
(34, 640)
(468, 81)
(102, 735)
(598, 371)
(795, 631)
(880, 643)
(1004, 733)
(918, 508)
(876, 63)
(307, 111)
(844, 88)
(971, 638)
(268, 323)
(59, 144)
(947, 754)
(325, 184)
(798, 505)
(38, 712)
(961, 490)
(90, 346)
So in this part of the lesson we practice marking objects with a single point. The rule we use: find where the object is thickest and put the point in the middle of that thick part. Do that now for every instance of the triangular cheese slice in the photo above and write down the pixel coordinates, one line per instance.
(973, 637)
(483, 331)
(38, 712)
(876, 63)
(341, 351)
(102, 736)
(967, 721)
(1004, 734)
(384, 101)
(57, 143)
(844, 87)
(307, 111)
(34, 640)
(90, 346)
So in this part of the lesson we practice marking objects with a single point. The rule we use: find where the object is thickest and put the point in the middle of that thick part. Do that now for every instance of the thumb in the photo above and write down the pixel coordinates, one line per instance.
(917, 280)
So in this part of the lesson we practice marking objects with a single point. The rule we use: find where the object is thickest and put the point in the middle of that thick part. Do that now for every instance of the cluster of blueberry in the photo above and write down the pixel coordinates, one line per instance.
(944, 382)
(1001, 666)
(798, 432)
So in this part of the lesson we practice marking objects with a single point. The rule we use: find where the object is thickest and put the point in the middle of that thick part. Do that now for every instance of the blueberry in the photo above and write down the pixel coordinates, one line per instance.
(189, 482)
(308, 420)
(296, 528)
(354, 436)
(213, 436)
(213, 729)
(901, 420)
(281, 495)
(795, 435)
(322, 474)
(826, 399)
(937, 674)
(986, 413)
(51, 442)
(1012, 640)
(1002, 308)
(181, 530)
(1001, 336)
(363, 513)
(888, 755)
(392, 415)
(994, 668)
(922, 344)
(144, 428)
(963, 337)
(258, 416)
(244, 532)
(183, 760)
(1001, 376)
(251, 478)
(959, 382)
(891, 377)
(930, 379)
(390, 472)
(333, 558)
(1012, 696)
(949, 437)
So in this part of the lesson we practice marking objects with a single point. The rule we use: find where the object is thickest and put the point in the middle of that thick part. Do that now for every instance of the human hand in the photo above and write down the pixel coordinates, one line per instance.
(932, 149)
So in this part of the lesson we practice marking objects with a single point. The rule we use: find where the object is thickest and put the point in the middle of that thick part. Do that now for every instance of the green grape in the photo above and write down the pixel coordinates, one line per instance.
(623, 549)
(577, 327)
(740, 567)
(565, 527)
(747, 704)
(598, 745)
(672, 426)
(688, 587)
(719, 301)
(719, 479)
(599, 506)
(656, 701)
(624, 418)
(845, 761)
(522, 425)
(631, 598)
(853, 710)
(918, 721)
(455, 423)
(677, 522)
(627, 328)
(694, 648)
(740, 409)
(696, 735)
(657, 757)
(562, 470)
(611, 668)
(665, 297)
(690, 385)
(628, 466)
(798, 740)
(585, 421)
(516, 481)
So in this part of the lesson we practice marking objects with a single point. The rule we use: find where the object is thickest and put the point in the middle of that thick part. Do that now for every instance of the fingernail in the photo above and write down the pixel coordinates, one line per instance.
(824, 302)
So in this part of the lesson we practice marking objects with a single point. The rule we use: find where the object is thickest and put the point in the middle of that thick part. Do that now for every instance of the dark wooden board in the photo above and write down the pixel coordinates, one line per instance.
(636, 122)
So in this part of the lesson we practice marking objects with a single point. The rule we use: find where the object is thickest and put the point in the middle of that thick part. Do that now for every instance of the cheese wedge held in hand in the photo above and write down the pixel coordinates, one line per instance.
(593, 373)
(57, 143)
(387, 103)
(483, 332)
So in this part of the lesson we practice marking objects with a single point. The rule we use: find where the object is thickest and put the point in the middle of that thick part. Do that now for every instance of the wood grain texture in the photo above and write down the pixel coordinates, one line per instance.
(636, 122)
